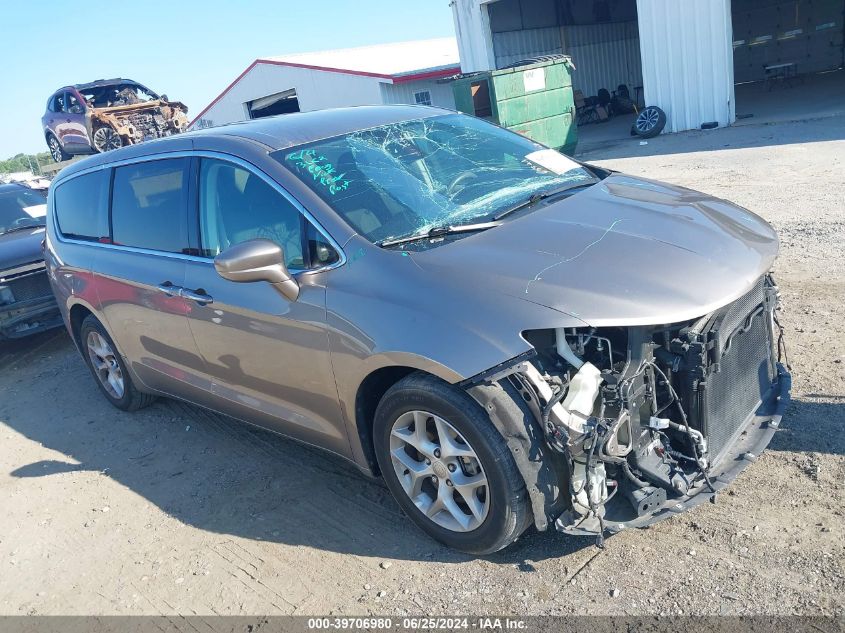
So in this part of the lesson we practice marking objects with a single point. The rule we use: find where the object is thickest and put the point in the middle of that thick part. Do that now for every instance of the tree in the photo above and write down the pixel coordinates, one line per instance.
(24, 162)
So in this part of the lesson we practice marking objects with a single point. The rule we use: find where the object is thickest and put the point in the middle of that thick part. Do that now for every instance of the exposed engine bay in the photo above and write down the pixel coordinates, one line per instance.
(127, 113)
(649, 417)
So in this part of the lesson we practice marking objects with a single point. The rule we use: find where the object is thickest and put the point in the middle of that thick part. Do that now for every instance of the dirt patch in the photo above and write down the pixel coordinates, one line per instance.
(175, 510)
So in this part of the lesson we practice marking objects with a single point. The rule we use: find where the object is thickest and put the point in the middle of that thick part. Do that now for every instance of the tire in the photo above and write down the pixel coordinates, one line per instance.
(126, 399)
(106, 139)
(56, 152)
(650, 122)
(503, 511)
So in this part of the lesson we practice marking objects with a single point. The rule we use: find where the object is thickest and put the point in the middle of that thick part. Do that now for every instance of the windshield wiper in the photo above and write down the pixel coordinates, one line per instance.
(21, 228)
(439, 231)
(542, 195)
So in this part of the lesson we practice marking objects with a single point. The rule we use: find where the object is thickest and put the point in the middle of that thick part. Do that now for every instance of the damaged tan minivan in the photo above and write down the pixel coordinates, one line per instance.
(507, 336)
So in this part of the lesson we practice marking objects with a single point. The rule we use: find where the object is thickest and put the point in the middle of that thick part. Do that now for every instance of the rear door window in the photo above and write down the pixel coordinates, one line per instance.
(82, 207)
(150, 204)
(57, 102)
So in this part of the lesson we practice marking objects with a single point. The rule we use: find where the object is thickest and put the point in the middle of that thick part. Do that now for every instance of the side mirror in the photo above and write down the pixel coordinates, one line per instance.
(76, 109)
(257, 260)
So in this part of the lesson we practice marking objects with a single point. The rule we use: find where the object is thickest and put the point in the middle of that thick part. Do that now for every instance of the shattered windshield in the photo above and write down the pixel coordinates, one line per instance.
(21, 209)
(407, 178)
(116, 95)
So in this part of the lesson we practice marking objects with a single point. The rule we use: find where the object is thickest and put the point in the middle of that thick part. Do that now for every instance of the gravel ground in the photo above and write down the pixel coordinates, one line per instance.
(172, 510)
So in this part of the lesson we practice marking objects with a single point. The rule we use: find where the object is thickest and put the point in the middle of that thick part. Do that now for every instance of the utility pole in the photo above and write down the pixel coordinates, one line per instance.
(35, 170)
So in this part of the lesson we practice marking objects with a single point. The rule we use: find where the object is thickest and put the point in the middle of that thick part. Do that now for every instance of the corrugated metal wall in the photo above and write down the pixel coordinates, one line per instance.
(605, 56)
(687, 60)
(472, 29)
(513, 46)
(315, 90)
(684, 61)
(441, 93)
(604, 44)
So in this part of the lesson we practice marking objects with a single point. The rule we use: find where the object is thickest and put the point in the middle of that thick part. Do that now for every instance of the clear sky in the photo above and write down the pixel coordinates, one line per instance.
(188, 49)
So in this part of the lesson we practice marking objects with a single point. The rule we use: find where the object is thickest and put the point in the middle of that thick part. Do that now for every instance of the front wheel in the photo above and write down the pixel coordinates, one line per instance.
(448, 467)
(106, 139)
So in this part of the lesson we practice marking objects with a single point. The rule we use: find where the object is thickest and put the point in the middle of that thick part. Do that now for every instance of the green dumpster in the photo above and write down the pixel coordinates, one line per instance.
(534, 100)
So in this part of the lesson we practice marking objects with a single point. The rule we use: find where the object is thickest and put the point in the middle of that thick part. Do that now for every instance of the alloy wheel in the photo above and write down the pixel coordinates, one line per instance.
(439, 471)
(55, 149)
(647, 120)
(105, 364)
(106, 139)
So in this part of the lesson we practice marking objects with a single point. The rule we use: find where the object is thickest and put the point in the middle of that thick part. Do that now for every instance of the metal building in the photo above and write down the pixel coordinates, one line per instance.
(700, 61)
(406, 72)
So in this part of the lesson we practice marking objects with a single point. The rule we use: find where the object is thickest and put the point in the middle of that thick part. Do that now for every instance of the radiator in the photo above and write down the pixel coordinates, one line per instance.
(739, 369)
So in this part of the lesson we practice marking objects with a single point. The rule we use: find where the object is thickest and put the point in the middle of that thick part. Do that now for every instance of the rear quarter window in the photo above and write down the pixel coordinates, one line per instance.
(150, 205)
(82, 207)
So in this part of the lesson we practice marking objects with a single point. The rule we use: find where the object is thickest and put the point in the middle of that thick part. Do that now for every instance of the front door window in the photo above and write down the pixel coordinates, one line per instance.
(237, 205)
(73, 104)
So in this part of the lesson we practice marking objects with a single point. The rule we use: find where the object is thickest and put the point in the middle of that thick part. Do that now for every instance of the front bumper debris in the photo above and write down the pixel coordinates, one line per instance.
(29, 317)
(755, 436)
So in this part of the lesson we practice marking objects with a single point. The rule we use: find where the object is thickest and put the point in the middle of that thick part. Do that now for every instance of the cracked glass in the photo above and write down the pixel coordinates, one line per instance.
(407, 178)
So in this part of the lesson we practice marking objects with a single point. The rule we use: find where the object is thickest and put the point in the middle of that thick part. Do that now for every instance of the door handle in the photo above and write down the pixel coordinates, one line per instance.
(169, 289)
(195, 295)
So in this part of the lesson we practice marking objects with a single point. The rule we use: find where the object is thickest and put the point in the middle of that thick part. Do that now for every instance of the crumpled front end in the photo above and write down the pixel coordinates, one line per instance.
(652, 420)
(27, 304)
(138, 123)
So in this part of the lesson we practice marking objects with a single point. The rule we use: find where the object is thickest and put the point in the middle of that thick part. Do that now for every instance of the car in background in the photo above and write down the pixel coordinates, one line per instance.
(27, 305)
(107, 114)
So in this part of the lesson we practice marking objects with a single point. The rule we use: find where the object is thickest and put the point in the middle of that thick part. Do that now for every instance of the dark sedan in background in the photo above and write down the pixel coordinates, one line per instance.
(27, 305)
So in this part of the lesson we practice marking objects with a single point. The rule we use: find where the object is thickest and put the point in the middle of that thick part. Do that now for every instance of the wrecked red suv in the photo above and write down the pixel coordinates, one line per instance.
(107, 114)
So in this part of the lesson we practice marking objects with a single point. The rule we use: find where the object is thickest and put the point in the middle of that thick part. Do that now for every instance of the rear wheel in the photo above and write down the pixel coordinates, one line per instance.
(108, 368)
(56, 151)
(448, 467)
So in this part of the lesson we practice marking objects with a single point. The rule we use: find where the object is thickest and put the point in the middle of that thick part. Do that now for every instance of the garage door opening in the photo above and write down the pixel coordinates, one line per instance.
(280, 103)
(601, 37)
(788, 59)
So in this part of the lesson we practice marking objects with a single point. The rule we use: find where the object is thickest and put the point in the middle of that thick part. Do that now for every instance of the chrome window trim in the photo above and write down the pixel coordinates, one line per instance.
(253, 169)
(135, 249)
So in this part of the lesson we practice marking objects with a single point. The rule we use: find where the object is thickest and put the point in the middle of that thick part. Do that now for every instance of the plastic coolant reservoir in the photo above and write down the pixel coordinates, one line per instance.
(577, 407)
(583, 390)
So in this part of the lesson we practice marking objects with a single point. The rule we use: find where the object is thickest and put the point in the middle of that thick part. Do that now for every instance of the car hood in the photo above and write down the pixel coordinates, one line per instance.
(627, 251)
(20, 247)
